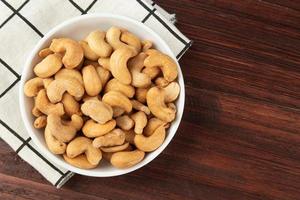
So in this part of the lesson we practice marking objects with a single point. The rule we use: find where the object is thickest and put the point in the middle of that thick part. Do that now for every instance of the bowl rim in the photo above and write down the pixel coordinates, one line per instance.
(28, 124)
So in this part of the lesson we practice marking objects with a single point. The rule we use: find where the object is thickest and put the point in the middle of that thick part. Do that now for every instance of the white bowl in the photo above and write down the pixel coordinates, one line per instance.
(77, 28)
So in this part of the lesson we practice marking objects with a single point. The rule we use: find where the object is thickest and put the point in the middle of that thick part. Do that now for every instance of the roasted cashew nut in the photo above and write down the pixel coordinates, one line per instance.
(171, 92)
(140, 121)
(113, 138)
(118, 39)
(88, 52)
(97, 110)
(63, 131)
(93, 129)
(58, 87)
(71, 106)
(33, 86)
(117, 99)
(43, 104)
(125, 122)
(125, 159)
(91, 80)
(167, 65)
(152, 125)
(97, 43)
(135, 66)
(69, 73)
(118, 64)
(84, 145)
(152, 142)
(73, 53)
(157, 106)
(115, 85)
(79, 161)
(53, 144)
(48, 66)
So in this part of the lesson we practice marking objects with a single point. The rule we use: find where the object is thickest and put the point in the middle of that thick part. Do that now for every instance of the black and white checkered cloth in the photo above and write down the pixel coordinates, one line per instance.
(23, 23)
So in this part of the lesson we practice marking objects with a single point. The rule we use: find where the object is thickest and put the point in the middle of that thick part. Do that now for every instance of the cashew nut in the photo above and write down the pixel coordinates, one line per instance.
(103, 74)
(113, 36)
(93, 129)
(58, 87)
(157, 106)
(171, 92)
(152, 142)
(84, 145)
(54, 145)
(152, 125)
(88, 52)
(79, 161)
(113, 138)
(115, 148)
(33, 86)
(125, 159)
(97, 110)
(48, 66)
(117, 111)
(146, 44)
(91, 80)
(40, 122)
(71, 106)
(118, 39)
(140, 121)
(164, 62)
(135, 66)
(104, 62)
(118, 64)
(125, 122)
(45, 52)
(43, 104)
(63, 131)
(131, 40)
(73, 53)
(117, 99)
(96, 41)
(141, 94)
(69, 73)
(116, 85)
(139, 106)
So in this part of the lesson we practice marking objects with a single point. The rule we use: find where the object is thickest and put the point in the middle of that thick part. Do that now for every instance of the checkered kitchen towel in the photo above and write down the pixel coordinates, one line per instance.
(23, 23)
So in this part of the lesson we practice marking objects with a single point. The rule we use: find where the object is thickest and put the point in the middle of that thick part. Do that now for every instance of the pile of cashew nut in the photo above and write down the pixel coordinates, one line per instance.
(110, 95)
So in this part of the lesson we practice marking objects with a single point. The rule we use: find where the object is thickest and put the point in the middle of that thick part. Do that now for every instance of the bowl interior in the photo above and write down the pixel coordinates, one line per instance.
(78, 28)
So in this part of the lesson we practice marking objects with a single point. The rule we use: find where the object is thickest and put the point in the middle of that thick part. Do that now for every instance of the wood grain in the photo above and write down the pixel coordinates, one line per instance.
(240, 134)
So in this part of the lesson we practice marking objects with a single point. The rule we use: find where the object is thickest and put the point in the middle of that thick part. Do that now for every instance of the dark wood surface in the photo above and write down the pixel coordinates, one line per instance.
(240, 134)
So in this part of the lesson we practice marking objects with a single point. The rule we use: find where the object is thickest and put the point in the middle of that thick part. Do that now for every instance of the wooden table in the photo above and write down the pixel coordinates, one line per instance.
(240, 134)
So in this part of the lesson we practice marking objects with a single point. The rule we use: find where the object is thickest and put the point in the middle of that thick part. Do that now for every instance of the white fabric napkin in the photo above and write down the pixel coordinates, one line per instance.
(23, 23)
